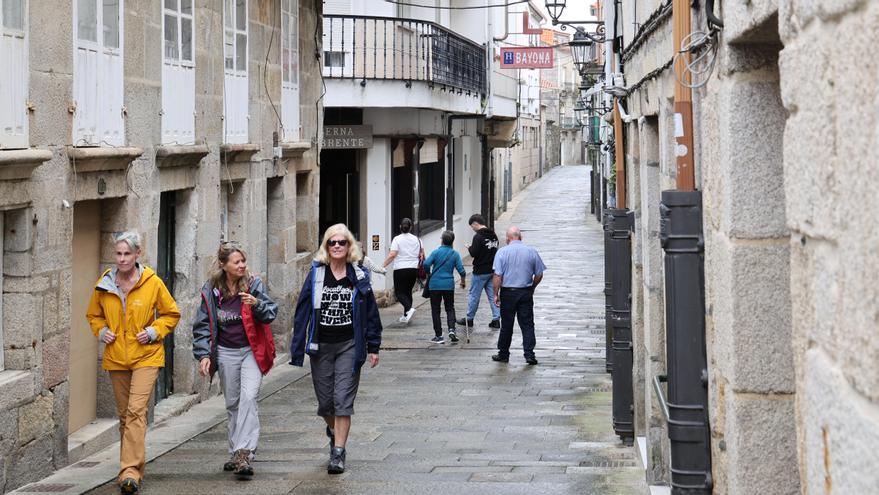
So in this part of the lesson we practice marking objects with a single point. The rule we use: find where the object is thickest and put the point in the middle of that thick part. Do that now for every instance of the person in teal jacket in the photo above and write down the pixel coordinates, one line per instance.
(441, 263)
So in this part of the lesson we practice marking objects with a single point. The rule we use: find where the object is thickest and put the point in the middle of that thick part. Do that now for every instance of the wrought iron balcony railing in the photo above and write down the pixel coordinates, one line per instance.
(390, 48)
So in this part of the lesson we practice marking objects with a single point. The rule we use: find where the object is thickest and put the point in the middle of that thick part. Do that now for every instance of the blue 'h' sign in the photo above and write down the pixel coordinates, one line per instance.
(508, 57)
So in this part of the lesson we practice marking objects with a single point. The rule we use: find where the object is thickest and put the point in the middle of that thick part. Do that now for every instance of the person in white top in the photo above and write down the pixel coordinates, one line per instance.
(406, 251)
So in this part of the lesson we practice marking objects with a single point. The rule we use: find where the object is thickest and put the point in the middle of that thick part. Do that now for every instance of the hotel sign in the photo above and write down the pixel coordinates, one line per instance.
(535, 57)
(347, 137)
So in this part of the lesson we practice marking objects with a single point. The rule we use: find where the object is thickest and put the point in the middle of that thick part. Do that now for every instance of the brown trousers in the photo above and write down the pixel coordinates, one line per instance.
(133, 389)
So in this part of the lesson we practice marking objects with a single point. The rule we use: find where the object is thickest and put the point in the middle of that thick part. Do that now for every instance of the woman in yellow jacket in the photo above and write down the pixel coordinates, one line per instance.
(122, 314)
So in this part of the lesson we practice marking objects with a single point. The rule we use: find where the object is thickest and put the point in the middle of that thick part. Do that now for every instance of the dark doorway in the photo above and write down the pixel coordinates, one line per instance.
(402, 193)
(165, 270)
(339, 190)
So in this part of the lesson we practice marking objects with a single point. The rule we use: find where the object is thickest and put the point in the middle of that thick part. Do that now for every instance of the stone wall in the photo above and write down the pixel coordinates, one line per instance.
(275, 201)
(781, 159)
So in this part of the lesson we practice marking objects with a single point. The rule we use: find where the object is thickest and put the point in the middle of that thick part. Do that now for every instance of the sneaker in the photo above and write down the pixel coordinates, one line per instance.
(409, 314)
(128, 486)
(452, 336)
(532, 361)
(464, 322)
(500, 359)
(494, 324)
(230, 464)
(337, 461)
(332, 436)
(437, 340)
(243, 466)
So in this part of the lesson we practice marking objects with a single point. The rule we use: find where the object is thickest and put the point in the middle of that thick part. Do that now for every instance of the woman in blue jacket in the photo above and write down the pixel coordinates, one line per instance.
(441, 263)
(338, 325)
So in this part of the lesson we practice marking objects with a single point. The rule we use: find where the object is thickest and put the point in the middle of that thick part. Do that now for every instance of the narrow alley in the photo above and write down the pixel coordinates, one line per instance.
(446, 419)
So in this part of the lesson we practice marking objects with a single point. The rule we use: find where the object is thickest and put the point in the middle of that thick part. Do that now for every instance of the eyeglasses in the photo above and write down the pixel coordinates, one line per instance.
(337, 242)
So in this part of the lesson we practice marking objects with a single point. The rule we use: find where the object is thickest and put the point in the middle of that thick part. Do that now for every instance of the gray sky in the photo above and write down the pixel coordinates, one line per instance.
(575, 10)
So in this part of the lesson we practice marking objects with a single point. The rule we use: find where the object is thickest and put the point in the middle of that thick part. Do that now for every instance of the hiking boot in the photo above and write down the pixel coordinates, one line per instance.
(230, 464)
(128, 486)
(464, 322)
(332, 436)
(337, 461)
(437, 340)
(494, 324)
(242, 463)
(452, 337)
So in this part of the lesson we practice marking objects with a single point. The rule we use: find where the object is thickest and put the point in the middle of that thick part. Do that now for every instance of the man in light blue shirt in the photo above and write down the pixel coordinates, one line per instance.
(517, 271)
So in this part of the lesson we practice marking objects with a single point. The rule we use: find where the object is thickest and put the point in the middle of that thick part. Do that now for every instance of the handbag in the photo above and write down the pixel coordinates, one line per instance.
(422, 274)
(425, 293)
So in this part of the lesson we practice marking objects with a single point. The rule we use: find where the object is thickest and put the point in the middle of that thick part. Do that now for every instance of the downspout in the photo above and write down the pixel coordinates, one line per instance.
(450, 171)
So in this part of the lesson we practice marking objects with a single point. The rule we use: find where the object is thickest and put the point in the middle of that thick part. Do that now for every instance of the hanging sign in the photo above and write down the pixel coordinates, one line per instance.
(343, 137)
(534, 57)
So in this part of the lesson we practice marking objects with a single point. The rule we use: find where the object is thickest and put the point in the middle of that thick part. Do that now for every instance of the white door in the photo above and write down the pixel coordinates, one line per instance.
(178, 73)
(13, 76)
(235, 99)
(97, 73)
(290, 68)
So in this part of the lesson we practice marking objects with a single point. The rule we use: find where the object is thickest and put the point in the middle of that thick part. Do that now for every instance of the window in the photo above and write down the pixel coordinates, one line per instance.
(14, 77)
(235, 92)
(334, 59)
(178, 73)
(290, 69)
(97, 78)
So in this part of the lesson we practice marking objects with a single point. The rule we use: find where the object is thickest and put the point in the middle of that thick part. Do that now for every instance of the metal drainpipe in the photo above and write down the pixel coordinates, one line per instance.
(683, 242)
(618, 256)
(450, 171)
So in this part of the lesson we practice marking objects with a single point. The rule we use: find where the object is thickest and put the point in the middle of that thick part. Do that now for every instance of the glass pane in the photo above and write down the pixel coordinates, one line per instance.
(186, 6)
(241, 15)
(241, 52)
(229, 50)
(87, 20)
(285, 30)
(294, 67)
(285, 64)
(230, 12)
(186, 39)
(171, 50)
(13, 14)
(171, 4)
(111, 23)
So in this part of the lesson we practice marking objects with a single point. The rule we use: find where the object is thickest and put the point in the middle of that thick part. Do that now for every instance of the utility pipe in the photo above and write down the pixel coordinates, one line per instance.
(683, 103)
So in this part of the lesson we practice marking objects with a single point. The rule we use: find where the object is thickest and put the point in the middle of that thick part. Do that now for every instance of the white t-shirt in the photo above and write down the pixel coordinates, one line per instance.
(407, 247)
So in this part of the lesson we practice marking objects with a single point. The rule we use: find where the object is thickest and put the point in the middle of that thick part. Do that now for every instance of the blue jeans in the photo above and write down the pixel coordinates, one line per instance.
(478, 284)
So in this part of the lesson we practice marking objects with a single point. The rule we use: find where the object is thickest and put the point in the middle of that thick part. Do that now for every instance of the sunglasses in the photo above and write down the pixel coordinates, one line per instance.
(339, 242)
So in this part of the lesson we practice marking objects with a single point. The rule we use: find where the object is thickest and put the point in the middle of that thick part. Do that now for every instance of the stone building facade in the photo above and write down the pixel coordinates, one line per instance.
(150, 151)
(785, 164)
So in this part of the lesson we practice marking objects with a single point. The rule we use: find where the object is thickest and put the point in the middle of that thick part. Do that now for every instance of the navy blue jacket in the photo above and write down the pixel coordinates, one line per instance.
(366, 320)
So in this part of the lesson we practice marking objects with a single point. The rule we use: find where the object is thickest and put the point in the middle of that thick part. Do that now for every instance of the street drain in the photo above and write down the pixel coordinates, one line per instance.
(608, 464)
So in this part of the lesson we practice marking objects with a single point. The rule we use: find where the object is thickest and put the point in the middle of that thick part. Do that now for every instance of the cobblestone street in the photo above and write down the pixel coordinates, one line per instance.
(446, 419)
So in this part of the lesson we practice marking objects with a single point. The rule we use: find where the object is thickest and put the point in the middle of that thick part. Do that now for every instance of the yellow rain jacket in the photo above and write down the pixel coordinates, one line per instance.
(147, 296)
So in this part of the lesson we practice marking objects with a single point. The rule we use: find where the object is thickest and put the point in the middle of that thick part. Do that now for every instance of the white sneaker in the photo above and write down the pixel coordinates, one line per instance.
(409, 315)
(403, 319)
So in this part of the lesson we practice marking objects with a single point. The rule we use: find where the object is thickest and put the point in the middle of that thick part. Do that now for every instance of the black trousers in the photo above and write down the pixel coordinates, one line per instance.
(517, 304)
(404, 281)
(447, 297)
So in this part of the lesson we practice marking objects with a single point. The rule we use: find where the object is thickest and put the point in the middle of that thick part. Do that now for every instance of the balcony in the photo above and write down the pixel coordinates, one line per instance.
(367, 60)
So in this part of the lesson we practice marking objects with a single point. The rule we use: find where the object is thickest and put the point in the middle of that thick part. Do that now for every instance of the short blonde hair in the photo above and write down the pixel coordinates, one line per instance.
(354, 252)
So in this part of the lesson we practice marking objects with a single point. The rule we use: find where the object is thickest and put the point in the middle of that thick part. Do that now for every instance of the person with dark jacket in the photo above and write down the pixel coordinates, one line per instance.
(230, 335)
(482, 249)
(337, 324)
